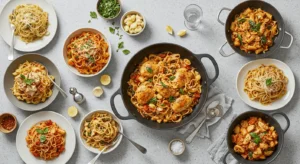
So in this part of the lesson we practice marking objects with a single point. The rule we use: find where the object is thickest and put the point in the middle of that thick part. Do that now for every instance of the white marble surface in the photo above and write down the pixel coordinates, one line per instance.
(74, 14)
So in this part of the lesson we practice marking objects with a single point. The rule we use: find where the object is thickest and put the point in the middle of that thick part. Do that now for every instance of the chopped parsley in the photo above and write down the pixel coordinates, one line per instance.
(256, 138)
(91, 59)
(250, 154)
(150, 80)
(269, 81)
(263, 40)
(171, 98)
(149, 69)
(253, 26)
(172, 78)
(112, 30)
(153, 100)
(109, 8)
(181, 91)
(26, 81)
(163, 84)
(93, 14)
(240, 38)
(241, 20)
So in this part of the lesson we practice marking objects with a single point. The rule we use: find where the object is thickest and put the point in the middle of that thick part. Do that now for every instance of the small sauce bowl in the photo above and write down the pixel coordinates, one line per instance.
(4, 115)
(122, 24)
(172, 142)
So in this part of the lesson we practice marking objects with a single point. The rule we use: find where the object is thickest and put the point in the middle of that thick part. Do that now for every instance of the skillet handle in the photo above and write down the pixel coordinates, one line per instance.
(113, 107)
(210, 81)
(224, 158)
(224, 8)
(221, 51)
(286, 118)
(291, 42)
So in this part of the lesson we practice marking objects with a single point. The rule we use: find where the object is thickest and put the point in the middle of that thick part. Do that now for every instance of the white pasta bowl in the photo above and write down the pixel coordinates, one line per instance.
(95, 150)
(76, 33)
(276, 104)
(129, 13)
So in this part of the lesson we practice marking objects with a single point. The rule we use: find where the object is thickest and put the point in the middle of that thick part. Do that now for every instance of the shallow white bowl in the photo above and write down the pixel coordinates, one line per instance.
(31, 120)
(5, 29)
(95, 150)
(124, 16)
(76, 33)
(278, 103)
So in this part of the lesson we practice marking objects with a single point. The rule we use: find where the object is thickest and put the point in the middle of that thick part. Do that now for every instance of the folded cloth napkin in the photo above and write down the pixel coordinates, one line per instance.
(219, 148)
(214, 95)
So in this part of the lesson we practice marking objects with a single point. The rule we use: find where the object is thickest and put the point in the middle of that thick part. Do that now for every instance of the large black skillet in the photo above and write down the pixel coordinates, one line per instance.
(272, 122)
(155, 49)
(254, 4)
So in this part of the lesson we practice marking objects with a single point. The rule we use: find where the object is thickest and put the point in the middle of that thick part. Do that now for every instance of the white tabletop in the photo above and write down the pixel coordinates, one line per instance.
(74, 14)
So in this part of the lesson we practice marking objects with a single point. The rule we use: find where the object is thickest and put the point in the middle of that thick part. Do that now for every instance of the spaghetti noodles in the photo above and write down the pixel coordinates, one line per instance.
(46, 140)
(266, 84)
(100, 131)
(88, 53)
(31, 22)
(164, 87)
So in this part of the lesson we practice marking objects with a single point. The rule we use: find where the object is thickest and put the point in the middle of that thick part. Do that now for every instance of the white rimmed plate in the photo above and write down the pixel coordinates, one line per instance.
(31, 120)
(278, 103)
(95, 150)
(76, 33)
(5, 29)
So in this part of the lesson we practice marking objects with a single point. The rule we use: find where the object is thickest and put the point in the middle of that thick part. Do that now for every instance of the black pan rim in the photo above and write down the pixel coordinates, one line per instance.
(252, 55)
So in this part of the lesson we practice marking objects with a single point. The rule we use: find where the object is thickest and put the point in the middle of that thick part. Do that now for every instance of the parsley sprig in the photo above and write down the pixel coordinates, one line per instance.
(26, 80)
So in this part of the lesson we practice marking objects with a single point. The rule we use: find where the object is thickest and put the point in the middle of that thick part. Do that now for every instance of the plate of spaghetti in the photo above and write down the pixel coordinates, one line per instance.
(266, 84)
(35, 24)
(45, 136)
(165, 87)
(87, 52)
(99, 129)
(27, 84)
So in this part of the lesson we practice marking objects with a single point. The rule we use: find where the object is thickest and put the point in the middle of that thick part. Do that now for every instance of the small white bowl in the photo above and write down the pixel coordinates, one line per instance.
(176, 140)
(255, 64)
(95, 150)
(123, 18)
(76, 33)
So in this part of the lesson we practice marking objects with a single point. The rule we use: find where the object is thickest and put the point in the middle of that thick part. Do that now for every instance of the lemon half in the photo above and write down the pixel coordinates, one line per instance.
(97, 91)
(72, 111)
(105, 79)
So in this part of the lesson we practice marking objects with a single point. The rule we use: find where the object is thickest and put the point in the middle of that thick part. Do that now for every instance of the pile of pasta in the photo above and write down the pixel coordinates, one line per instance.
(253, 30)
(164, 87)
(254, 139)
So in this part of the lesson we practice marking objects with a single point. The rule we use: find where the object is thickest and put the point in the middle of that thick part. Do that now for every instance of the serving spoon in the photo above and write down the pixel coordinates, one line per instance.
(57, 86)
(210, 113)
(138, 146)
(11, 53)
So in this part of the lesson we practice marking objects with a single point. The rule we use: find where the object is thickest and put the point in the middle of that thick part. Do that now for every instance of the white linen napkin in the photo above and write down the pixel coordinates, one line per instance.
(219, 148)
(214, 95)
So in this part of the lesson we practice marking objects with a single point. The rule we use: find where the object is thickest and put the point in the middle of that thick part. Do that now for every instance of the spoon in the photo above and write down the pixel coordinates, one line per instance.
(97, 156)
(138, 146)
(60, 90)
(11, 53)
(210, 113)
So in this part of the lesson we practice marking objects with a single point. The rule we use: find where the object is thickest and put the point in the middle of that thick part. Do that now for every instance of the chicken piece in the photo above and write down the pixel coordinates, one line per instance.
(144, 93)
(268, 153)
(181, 103)
(250, 128)
(252, 146)
(165, 92)
(238, 149)
(182, 76)
(263, 146)
(237, 129)
(148, 69)
(243, 131)
(247, 139)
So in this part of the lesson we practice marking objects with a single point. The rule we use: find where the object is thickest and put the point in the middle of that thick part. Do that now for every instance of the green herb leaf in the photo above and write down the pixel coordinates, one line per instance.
(172, 78)
(253, 26)
(126, 52)
(171, 98)
(29, 81)
(240, 38)
(256, 140)
(121, 45)
(250, 154)
(90, 133)
(181, 91)
(112, 30)
(113, 23)
(89, 21)
(93, 14)
(150, 80)
(91, 59)
(269, 81)
(254, 135)
(46, 130)
(42, 138)
(241, 20)
(22, 77)
(149, 69)
(263, 39)
(163, 84)
(162, 104)
(40, 131)
(153, 100)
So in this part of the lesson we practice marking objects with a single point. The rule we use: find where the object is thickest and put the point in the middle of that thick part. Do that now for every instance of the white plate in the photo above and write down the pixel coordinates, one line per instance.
(61, 121)
(6, 31)
(278, 103)
(94, 150)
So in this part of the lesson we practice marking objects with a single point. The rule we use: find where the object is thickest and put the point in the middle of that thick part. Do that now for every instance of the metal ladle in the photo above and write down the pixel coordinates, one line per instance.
(209, 114)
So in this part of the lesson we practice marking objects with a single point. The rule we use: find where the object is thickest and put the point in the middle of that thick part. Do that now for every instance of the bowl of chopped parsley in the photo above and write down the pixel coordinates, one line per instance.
(109, 9)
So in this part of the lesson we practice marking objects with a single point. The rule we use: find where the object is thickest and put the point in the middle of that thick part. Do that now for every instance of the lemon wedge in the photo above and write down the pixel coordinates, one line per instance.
(181, 33)
(72, 111)
(105, 79)
(169, 29)
(97, 91)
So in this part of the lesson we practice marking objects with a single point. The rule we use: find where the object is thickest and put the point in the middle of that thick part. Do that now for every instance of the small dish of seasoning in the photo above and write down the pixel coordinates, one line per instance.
(109, 9)
(8, 122)
(177, 146)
